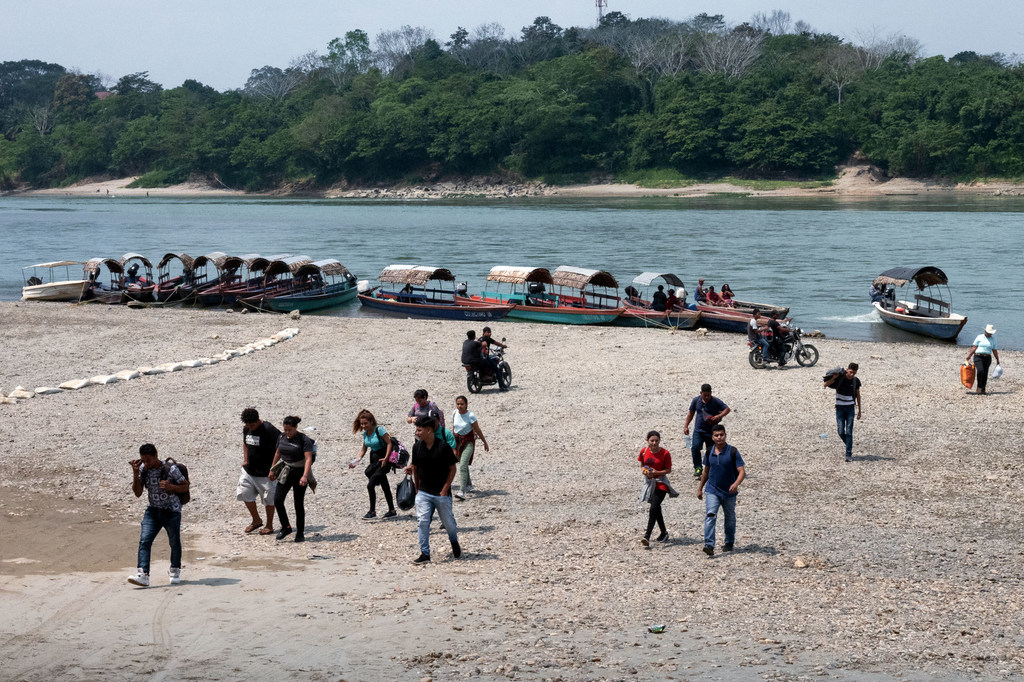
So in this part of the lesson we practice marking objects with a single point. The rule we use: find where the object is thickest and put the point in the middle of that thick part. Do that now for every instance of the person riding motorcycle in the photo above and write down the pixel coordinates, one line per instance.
(472, 355)
(776, 345)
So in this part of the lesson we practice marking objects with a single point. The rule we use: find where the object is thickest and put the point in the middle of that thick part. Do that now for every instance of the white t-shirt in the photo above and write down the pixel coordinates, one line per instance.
(464, 422)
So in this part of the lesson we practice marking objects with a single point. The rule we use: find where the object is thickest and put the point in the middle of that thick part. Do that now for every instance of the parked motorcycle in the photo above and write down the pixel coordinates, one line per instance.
(476, 378)
(790, 347)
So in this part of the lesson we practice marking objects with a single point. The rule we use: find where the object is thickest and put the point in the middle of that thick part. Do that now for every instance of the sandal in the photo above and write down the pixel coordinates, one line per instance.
(253, 526)
(266, 531)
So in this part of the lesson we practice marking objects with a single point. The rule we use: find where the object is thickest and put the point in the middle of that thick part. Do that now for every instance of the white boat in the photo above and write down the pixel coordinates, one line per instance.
(45, 288)
(929, 311)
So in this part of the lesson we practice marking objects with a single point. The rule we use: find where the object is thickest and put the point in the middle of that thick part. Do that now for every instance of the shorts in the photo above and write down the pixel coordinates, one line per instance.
(252, 488)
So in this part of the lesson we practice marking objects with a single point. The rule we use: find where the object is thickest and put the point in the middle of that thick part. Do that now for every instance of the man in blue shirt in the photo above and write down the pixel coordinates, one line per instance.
(709, 412)
(724, 470)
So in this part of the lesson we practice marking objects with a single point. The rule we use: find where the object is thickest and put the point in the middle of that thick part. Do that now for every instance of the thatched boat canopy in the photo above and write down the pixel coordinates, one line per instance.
(513, 275)
(328, 266)
(255, 262)
(55, 264)
(645, 279)
(417, 275)
(92, 266)
(186, 260)
(285, 265)
(581, 278)
(922, 277)
(135, 256)
(221, 261)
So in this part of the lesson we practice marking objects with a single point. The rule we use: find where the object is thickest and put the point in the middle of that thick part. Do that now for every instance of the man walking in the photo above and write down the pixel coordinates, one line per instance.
(433, 470)
(259, 441)
(709, 412)
(724, 470)
(847, 388)
(163, 482)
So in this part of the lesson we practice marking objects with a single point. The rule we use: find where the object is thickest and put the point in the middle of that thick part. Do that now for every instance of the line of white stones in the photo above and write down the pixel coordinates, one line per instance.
(21, 393)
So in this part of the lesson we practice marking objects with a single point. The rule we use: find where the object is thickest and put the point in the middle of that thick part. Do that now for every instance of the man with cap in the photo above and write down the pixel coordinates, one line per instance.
(700, 296)
(982, 350)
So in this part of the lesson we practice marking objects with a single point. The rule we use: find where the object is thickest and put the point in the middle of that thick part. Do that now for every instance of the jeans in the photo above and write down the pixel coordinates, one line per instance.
(299, 497)
(655, 515)
(152, 521)
(464, 457)
(425, 506)
(982, 361)
(712, 503)
(844, 424)
(700, 439)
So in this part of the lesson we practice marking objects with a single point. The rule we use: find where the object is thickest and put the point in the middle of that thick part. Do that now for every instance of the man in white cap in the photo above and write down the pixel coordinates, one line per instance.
(983, 349)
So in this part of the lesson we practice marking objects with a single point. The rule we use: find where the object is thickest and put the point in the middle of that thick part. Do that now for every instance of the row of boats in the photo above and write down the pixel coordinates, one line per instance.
(279, 283)
(567, 295)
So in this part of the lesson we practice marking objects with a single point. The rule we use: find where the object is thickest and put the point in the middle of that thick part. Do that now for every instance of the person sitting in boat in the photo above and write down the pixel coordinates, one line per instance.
(633, 296)
(877, 293)
(658, 298)
(672, 303)
(713, 297)
(133, 275)
(405, 294)
(727, 295)
(700, 296)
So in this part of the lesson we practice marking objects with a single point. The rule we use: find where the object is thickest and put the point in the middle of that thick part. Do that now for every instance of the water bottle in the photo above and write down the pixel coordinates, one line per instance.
(689, 441)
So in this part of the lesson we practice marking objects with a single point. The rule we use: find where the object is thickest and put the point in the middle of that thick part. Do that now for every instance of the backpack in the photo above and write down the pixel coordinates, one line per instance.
(399, 457)
(185, 497)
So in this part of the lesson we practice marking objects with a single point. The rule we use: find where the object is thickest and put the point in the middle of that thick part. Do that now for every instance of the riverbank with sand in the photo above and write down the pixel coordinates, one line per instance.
(889, 566)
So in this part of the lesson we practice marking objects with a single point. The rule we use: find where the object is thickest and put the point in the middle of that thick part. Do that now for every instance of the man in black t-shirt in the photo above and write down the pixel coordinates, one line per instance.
(259, 442)
(472, 355)
(433, 470)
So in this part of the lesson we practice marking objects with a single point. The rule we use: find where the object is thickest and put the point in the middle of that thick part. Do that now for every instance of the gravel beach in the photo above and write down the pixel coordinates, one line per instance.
(905, 563)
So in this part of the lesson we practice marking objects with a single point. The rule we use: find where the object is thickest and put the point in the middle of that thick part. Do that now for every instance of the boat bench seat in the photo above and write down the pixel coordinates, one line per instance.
(930, 302)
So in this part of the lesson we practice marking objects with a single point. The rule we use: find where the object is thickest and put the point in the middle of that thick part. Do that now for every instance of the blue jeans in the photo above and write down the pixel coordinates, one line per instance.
(152, 521)
(844, 424)
(700, 439)
(712, 503)
(425, 506)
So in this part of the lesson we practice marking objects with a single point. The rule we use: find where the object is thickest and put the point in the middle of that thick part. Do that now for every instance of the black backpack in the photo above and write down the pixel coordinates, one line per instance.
(185, 497)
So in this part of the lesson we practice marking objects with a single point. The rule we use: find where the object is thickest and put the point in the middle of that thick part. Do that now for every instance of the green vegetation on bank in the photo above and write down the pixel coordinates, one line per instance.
(651, 101)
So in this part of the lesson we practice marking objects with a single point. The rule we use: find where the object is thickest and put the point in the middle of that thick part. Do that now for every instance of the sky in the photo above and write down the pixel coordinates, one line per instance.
(218, 42)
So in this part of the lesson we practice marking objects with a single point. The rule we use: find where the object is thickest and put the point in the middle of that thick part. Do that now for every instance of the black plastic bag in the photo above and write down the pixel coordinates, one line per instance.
(405, 494)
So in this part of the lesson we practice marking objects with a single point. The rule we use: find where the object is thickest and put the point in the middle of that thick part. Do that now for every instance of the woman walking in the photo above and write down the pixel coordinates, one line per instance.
(655, 463)
(378, 442)
(983, 349)
(292, 469)
(467, 430)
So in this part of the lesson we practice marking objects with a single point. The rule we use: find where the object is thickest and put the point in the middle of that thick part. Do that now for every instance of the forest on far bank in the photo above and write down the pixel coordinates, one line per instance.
(764, 99)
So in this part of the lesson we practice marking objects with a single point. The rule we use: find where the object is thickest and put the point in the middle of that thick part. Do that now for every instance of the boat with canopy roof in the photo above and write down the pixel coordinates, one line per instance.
(41, 285)
(928, 313)
(314, 286)
(419, 290)
(641, 311)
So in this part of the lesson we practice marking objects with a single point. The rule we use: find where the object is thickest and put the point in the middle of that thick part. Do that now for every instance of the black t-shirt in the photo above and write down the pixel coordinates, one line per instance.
(471, 352)
(433, 465)
(293, 450)
(261, 445)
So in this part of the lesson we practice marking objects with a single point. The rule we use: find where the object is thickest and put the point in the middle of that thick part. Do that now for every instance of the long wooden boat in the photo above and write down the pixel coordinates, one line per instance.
(418, 297)
(639, 311)
(306, 286)
(723, 320)
(46, 288)
(532, 300)
(214, 292)
(179, 287)
(120, 289)
(928, 313)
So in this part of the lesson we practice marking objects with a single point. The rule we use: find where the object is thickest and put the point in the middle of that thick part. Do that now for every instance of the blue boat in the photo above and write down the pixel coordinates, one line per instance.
(314, 286)
(419, 297)
(929, 313)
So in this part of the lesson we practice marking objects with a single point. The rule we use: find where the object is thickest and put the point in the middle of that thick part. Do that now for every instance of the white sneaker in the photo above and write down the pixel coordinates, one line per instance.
(459, 495)
(175, 574)
(140, 578)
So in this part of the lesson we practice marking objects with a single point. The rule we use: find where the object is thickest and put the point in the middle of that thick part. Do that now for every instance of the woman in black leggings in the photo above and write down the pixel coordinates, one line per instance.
(378, 442)
(295, 452)
(655, 462)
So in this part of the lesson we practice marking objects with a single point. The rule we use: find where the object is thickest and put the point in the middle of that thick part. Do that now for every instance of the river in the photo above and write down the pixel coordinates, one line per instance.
(816, 255)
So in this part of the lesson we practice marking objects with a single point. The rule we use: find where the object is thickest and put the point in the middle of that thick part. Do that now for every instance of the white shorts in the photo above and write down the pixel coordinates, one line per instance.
(252, 488)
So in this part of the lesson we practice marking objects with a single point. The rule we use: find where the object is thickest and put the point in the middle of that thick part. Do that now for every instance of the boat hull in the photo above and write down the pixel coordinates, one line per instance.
(550, 314)
(310, 300)
(942, 328)
(724, 322)
(630, 317)
(461, 311)
(71, 290)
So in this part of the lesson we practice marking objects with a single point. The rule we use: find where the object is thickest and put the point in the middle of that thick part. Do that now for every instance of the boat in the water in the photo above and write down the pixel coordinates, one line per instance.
(228, 268)
(179, 283)
(641, 310)
(119, 288)
(722, 319)
(41, 284)
(314, 286)
(137, 284)
(928, 313)
(581, 297)
(418, 290)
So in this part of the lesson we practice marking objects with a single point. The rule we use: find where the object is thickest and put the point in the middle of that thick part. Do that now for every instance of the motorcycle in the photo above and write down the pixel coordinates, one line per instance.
(476, 378)
(789, 348)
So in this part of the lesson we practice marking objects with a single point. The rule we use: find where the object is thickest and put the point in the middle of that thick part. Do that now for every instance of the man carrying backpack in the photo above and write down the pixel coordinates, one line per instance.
(165, 482)
(720, 480)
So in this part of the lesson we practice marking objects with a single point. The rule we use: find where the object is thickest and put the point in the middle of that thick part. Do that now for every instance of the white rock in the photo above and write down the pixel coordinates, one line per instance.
(295, 314)
(75, 384)
(8, 401)
(154, 370)
(20, 392)
(127, 374)
(46, 390)
(103, 379)
(193, 363)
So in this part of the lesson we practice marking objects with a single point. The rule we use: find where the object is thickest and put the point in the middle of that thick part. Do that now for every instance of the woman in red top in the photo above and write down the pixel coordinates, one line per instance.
(655, 461)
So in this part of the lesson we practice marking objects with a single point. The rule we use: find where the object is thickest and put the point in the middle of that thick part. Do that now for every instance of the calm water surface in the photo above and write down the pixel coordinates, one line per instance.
(816, 255)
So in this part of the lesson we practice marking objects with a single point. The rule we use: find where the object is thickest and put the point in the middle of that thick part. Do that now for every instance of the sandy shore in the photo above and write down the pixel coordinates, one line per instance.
(911, 557)
(853, 181)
